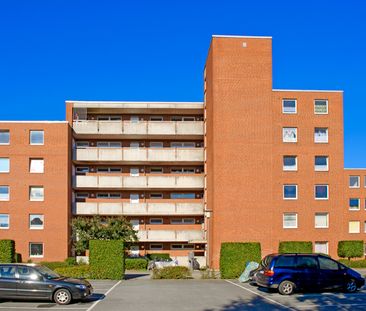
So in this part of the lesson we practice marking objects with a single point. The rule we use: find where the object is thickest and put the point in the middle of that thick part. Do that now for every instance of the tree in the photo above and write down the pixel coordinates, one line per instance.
(97, 228)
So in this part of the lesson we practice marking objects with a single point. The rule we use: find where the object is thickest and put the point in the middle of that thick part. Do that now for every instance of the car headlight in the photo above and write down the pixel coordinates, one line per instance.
(80, 286)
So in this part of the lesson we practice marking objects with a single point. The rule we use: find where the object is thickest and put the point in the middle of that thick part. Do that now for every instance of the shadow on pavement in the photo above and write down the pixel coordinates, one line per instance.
(131, 276)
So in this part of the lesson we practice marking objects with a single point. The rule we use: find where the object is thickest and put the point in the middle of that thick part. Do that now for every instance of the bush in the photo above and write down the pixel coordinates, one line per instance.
(71, 261)
(80, 271)
(106, 259)
(159, 256)
(234, 256)
(350, 249)
(7, 251)
(136, 264)
(287, 247)
(354, 263)
(177, 272)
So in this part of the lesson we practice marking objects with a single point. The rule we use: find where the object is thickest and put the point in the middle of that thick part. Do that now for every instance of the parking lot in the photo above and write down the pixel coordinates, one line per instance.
(201, 295)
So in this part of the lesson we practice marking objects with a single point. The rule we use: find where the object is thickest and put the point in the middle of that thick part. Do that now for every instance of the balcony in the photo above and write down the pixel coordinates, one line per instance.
(171, 236)
(127, 208)
(139, 155)
(194, 181)
(162, 129)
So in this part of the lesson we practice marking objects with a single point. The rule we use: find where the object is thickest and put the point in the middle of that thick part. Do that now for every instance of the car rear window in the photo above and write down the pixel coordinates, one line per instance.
(285, 262)
(266, 261)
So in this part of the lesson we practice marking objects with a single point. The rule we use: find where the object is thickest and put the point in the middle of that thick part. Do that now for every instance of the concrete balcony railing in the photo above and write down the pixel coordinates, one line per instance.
(126, 208)
(140, 182)
(139, 154)
(145, 128)
(170, 235)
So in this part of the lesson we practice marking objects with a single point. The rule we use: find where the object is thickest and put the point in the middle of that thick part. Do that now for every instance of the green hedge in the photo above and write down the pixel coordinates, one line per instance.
(157, 256)
(136, 264)
(286, 247)
(71, 261)
(79, 271)
(177, 272)
(7, 251)
(350, 249)
(354, 263)
(106, 259)
(234, 256)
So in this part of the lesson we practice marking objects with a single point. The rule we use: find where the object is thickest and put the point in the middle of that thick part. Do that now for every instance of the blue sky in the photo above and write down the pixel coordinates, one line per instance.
(56, 50)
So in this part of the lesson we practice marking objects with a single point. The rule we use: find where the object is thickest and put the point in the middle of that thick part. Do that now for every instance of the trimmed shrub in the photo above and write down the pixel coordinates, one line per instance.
(106, 259)
(54, 264)
(354, 263)
(159, 256)
(350, 249)
(286, 247)
(177, 272)
(7, 251)
(234, 256)
(136, 264)
(80, 271)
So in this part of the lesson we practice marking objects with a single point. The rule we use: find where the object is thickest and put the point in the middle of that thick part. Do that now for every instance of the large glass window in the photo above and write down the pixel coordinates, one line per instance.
(183, 144)
(36, 137)
(289, 134)
(321, 247)
(289, 163)
(156, 221)
(36, 250)
(321, 163)
(289, 220)
(4, 193)
(4, 221)
(109, 144)
(321, 106)
(307, 262)
(4, 165)
(182, 195)
(156, 144)
(321, 192)
(354, 181)
(327, 264)
(354, 204)
(36, 221)
(353, 227)
(290, 192)
(321, 220)
(4, 137)
(36, 166)
(321, 135)
(36, 193)
(289, 106)
(182, 221)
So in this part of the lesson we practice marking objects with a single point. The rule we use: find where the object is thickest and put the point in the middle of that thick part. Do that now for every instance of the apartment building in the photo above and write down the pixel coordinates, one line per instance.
(249, 163)
(35, 188)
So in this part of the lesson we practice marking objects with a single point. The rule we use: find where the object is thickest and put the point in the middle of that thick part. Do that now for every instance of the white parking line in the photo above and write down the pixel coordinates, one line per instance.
(262, 296)
(95, 303)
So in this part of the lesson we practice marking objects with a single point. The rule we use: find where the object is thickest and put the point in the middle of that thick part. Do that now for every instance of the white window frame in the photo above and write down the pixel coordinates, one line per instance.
(319, 168)
(289, 168)
(297, 194)
(296, 221)
(321, 113)
(289, 140)
(327, 198)
(8, 197)
(326, 215)
(30, 138)
(179, 246)
(358, 181)
(35, 199)
(354, 209)
(157, 246)
(36, 161)
(354, 222)
(283, 108)
(326, 243)
(5, 131)
(316, 138)
(182, 221)
(8, 160)
(8, 217)
(36, 256)
(33, 227)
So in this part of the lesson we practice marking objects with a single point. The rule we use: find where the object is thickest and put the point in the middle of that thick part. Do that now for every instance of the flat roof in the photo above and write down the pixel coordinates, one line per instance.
(238, 36)
(12, 121)
(136, 104)
(314, 91)
(355, 169)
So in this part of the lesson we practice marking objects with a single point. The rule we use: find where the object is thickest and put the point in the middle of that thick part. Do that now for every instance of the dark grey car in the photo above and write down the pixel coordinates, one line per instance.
(31, 281)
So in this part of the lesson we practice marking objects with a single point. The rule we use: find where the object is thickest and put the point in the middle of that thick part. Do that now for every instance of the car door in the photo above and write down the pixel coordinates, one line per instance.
(8, 282)
(31, 283)
(330, 274)
(307, 274)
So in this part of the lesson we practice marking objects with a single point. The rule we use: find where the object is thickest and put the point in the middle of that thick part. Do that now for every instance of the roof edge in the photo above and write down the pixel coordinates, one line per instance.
(238, 36)
(314, 91)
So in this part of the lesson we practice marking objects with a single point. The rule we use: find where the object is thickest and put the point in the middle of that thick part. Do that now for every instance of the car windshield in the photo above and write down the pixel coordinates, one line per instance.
(46, 272)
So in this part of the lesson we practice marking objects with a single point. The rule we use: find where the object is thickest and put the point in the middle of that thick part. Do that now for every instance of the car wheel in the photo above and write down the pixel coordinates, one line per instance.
(62, 296)
(351, 286)
(286, 288)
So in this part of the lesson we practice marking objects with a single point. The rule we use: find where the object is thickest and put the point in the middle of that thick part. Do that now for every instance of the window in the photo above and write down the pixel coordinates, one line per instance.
(7, 272)
(82, 195)
(182, 144)
(321, 106)
(354, 181)
(182, 118)
(134, 119)
(182, 221)
(182, 170)
(289, 163)
(156, 221)
(4, 137)
(156, 118)
(321, 248)
(36, 166)
(156, 170)
(327, 264)
(108, 195)
(27, 273)
(36, 221)
(36, 250)
(289, 106)
(4, 165)
(289, 134)
(321, 192)
(290, 192)
(109, 118)
(307, 262)
(182, 195)
(364, 227)
(156, 144)
(36, 137)
(182, 246)
(82, 169)
(109, 144)
(289, 220)
(109, 170)
(354, 227)
(82, 144)
(156, 246)
(156, 195)
(4, 193)
(321, 163)
(321, 135)
(134, 171)
(134, 144)
(4, 221)
(354, 204)
(285, 262)
(36, 193)
(134, 198)
(321, 220)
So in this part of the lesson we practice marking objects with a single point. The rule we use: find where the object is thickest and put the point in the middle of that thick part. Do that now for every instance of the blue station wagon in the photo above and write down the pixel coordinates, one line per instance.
(290, 272)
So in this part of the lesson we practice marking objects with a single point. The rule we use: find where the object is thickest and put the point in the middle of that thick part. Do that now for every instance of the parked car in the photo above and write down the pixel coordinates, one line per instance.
(290, 272)
(32, 281)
